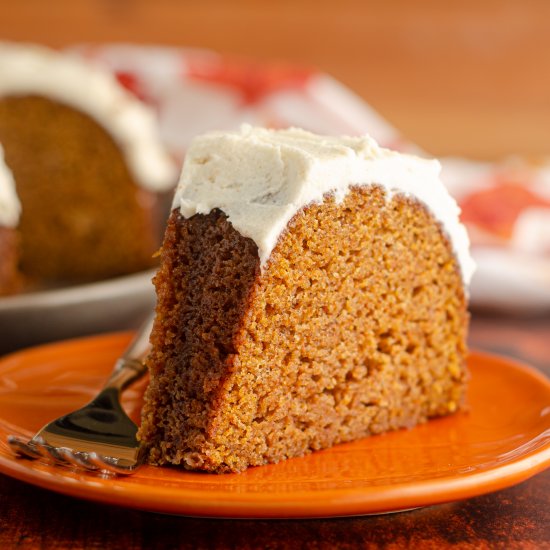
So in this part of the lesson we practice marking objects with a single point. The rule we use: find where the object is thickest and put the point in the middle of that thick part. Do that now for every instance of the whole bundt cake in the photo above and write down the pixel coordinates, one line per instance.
(88, 167)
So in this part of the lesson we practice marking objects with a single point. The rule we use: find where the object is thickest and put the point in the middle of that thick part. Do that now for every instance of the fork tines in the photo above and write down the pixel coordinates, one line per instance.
(38, 449)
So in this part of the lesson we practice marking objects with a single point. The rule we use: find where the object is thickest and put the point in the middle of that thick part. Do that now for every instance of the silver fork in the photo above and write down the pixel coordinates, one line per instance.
(100, 436)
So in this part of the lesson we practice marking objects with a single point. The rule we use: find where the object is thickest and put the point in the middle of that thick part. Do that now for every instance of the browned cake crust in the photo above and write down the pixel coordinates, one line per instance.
(10, 280)
(83, 216)
(357, 326)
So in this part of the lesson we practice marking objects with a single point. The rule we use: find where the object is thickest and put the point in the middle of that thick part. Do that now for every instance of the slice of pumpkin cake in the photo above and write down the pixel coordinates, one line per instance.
(311, 291)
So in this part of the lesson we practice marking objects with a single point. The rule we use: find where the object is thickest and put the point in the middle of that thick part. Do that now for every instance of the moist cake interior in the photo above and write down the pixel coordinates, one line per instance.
(356, 325)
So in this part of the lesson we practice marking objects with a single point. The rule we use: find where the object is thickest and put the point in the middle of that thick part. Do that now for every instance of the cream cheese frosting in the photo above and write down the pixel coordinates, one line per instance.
(10, 207)
(34, 70)
(261, 178)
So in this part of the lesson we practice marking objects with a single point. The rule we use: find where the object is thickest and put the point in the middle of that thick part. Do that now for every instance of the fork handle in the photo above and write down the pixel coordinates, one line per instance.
(130, 366)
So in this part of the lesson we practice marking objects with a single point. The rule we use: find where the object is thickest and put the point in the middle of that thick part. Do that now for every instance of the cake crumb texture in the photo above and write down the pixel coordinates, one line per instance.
(356, 326)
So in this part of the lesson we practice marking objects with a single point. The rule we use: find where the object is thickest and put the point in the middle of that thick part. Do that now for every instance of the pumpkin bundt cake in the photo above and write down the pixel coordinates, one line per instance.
(88, 167)
(311, 291)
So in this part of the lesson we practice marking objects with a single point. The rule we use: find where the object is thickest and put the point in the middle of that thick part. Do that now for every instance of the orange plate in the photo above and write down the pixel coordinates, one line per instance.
(503, 439)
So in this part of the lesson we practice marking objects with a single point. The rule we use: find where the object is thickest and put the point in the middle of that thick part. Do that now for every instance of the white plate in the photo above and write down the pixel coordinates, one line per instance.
(509, 281)
(37, 317)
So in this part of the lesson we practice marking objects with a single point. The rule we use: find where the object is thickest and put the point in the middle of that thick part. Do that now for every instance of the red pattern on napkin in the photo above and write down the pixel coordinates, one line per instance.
(497, 208)
(254, 81)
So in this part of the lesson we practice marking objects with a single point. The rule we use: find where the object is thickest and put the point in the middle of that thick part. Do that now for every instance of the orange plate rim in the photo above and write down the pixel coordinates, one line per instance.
(334, 502)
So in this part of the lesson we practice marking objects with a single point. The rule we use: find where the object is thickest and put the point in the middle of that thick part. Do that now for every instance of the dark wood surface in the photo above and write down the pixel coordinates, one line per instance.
(518, 517)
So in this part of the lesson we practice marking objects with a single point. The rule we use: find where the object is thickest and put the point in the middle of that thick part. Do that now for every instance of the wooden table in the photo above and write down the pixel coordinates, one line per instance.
(464, 78)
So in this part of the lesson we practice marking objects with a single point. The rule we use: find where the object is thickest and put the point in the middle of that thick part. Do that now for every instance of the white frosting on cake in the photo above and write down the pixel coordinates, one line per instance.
(10, 207)
(261, 178)
(34, 70)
